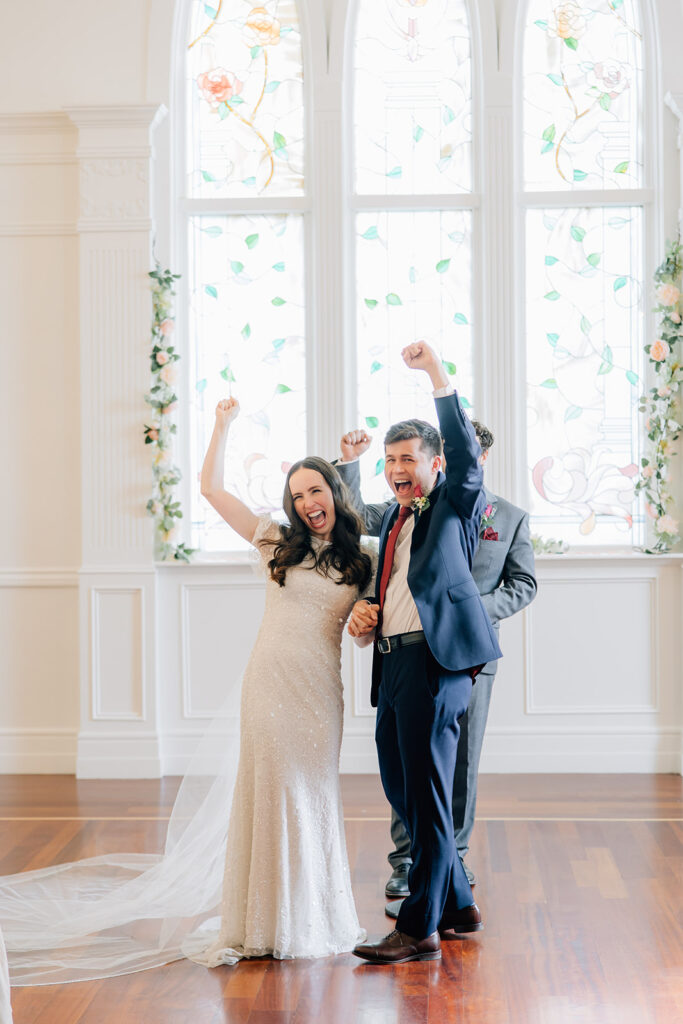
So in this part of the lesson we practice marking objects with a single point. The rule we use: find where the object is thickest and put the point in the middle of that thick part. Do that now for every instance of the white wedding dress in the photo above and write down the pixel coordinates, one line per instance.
(255, 859)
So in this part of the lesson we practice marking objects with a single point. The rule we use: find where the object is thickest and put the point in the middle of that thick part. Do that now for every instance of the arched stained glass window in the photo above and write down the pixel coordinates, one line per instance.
(413, 203)
(243, 206)
(584, 181)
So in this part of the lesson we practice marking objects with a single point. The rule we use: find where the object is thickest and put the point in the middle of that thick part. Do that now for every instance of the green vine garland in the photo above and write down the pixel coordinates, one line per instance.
(162, 399)
(660, 404)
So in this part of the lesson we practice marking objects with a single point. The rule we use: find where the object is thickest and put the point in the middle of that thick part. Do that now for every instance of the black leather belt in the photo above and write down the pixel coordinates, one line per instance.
(387, 644)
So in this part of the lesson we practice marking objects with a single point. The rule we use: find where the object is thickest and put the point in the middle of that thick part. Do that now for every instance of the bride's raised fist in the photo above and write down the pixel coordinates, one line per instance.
(226, 411)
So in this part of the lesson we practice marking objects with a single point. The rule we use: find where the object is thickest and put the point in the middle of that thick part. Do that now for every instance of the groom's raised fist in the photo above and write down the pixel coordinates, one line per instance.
(353, 444)
(419, 356)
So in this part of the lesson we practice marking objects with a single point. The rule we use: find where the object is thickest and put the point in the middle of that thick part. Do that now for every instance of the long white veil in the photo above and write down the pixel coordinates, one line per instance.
(118, 913)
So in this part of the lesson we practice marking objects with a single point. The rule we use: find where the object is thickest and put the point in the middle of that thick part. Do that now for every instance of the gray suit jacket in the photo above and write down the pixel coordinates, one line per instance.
(503, 569)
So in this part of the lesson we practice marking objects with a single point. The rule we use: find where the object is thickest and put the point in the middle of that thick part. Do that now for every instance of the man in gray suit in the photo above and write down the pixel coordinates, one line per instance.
(503, 569)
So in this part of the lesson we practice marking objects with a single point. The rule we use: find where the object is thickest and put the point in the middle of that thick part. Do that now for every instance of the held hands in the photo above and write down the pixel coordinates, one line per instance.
(353, 444)
(226, 411)
(363, 618)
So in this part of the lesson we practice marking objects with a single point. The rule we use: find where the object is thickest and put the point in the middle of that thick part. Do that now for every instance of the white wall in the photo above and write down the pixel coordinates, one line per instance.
(108, 661)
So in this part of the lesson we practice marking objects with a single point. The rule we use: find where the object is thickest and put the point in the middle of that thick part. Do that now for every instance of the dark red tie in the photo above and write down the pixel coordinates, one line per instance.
(403, 512)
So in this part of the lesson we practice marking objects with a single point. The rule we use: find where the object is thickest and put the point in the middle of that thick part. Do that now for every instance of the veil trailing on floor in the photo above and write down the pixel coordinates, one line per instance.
(118, 913)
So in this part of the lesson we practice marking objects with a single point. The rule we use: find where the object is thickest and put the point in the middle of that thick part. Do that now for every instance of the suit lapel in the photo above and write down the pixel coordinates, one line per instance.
(422, 520)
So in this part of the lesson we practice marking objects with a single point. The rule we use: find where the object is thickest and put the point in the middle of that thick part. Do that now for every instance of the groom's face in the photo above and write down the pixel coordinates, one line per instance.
(408, 464)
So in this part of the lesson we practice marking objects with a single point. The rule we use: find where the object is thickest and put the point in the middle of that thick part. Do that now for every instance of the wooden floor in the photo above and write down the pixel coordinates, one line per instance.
(580, 884)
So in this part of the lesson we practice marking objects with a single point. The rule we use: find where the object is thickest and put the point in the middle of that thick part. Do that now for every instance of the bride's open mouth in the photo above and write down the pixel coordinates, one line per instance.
(317, 519)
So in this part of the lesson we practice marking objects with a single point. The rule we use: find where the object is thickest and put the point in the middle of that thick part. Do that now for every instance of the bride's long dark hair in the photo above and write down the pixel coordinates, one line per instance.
(343, 554)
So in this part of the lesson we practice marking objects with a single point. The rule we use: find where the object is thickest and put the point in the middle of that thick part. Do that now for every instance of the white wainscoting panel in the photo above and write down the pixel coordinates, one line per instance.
(118, 653)
(592, 646)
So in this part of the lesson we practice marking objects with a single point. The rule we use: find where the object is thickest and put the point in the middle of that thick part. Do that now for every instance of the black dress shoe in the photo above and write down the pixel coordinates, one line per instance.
(398, 883)
(399, 948)
(468, 919)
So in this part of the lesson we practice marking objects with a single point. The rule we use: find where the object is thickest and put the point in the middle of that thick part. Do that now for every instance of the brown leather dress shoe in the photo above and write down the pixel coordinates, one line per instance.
(468, 919)
(399, 948)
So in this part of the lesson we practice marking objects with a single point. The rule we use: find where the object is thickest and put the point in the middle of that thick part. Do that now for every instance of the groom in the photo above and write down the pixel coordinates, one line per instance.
(431, 636)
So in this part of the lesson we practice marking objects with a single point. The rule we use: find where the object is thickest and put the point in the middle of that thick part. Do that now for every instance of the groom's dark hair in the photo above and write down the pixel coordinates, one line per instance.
(406, 430)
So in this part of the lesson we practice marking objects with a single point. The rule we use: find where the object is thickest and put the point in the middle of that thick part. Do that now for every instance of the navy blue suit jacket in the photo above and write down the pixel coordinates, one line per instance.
(457, 628)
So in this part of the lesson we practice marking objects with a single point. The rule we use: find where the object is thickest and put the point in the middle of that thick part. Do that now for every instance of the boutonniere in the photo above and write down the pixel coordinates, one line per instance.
(420, 502)
(486, 531)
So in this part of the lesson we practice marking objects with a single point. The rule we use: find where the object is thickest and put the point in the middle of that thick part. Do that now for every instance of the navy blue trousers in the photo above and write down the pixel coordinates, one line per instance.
(417, 742)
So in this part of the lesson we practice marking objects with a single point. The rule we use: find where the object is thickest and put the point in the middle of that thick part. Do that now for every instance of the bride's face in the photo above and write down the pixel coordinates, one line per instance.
(313, 501)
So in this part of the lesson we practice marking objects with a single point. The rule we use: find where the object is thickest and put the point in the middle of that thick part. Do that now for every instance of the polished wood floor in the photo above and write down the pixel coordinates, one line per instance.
(580, 880)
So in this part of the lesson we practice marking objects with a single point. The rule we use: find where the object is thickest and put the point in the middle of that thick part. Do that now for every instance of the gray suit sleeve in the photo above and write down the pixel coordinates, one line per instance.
(370, 514)
(518, 587)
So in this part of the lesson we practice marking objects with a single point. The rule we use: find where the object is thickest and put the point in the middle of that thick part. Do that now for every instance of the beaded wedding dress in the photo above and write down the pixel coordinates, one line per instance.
(255, 859)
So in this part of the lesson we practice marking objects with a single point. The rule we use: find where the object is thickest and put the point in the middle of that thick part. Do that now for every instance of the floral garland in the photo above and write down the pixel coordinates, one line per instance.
(163, 400)
(660, 404)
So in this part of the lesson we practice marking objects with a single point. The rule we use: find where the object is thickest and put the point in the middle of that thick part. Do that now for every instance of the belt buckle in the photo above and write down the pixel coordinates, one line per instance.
(384, 645)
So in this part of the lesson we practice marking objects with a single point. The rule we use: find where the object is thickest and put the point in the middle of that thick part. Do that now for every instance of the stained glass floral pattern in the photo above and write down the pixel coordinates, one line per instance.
(412, 97)
(247, 329)
(583, 124)
(585, 310)
(245, 100)
(413, 281)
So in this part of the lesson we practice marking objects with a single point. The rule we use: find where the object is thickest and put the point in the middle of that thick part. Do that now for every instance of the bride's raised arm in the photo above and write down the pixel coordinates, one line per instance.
(234, 511)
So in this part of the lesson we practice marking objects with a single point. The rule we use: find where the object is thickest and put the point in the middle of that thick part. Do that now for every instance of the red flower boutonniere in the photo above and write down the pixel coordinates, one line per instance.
(486, 531)
(420, 502)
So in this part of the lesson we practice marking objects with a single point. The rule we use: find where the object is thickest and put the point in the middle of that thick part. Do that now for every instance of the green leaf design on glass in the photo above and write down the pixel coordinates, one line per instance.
(282, 389)
(207, 177)
(395, 172)
(246, 332)
(449, 367)
(619, 283)
(379, 467)
(572, 43)
(448, 115)
(618, 222)
(585, 325)
(211, 290)
(418, 133)
(278, 343)
(555, 79)
(607, 361)
(223, 111)
(460, 318)
(550, 382)
(412, 275)
(228, 375)
(393, 299)
(277, 301)
(550, 260)
(552, 296)
(375, 367)
(442, 266)
(370, 234)
(573, 413)
(580, 175)
(250, 241)
(542, 25)
(547, 147)
(201, 385)
(210, 11)
(593, 259)
(213, 232)
(236, 266)
(577, 233)
(632, 378)
(622, 167)
(465, 402)
(272, 86)
(549, 133)
(279, 267)
(249, 182)
(370, 303)
(372, 422)
(553, 339)
(278, 141)
(255, 50)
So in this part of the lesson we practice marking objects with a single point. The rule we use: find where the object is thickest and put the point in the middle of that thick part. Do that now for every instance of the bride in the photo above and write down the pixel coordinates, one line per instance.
(261, 838)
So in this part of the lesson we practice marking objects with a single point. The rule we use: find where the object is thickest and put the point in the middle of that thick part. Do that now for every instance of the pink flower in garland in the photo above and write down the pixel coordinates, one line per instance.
(219, 86)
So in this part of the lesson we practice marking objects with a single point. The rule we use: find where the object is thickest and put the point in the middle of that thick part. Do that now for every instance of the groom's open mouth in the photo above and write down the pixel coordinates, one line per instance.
(317, 519)
(402, 487)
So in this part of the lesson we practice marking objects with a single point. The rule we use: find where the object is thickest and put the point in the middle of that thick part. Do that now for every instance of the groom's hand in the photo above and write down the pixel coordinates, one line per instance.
(363, 618)
(421, 356)
(353, 444)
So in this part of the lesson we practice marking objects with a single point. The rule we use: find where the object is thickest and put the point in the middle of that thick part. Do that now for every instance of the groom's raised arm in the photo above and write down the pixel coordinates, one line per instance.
(464, 475)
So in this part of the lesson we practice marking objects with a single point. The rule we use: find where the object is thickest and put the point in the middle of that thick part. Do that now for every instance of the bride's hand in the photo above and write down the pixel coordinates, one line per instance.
(226, 411)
